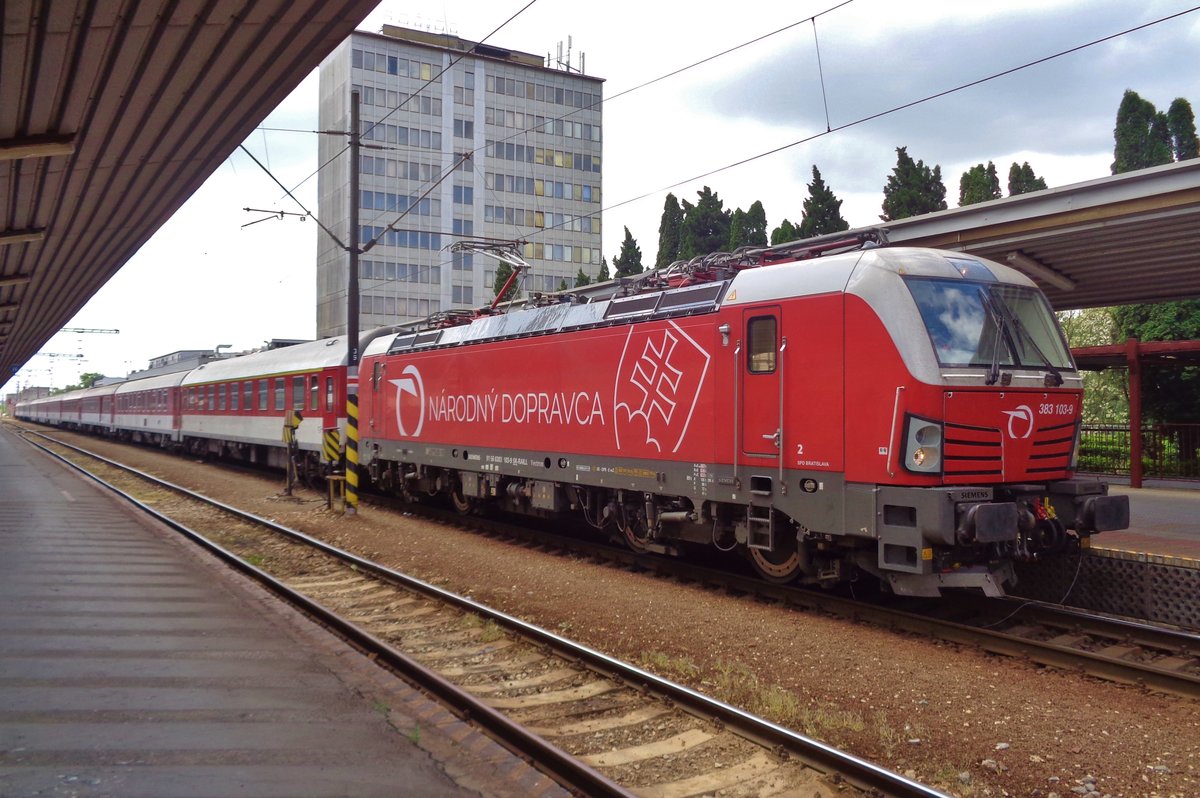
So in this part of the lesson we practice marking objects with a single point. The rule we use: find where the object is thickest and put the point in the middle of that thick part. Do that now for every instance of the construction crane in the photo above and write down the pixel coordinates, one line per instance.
(88, 330)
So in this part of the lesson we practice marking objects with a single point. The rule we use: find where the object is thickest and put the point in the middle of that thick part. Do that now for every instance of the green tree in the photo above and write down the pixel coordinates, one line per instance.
(562, 284)
(1169, 393)
(737, 230)
(705, 225)
(912, 189)
(1105, 396)
(87, 379)
(1141, 134)
(1143, 139)
(1022, 180)
(581, 279)
(785, 232)
(756, 225)
(748, 228)
(629, 261)
(603, 276)
(979, 184)
(1181, 124)
(822, 210)
(670, 231)
(503, 271)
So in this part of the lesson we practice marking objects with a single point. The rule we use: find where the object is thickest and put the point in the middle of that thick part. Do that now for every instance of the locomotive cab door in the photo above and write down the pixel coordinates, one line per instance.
(761, 383)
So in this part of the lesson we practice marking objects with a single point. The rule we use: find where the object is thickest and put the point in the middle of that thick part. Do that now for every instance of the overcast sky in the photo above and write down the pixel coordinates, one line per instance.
(205, 280)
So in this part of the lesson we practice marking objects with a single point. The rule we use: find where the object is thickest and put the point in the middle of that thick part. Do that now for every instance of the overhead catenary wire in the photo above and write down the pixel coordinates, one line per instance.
(901, 107)
(830, 129)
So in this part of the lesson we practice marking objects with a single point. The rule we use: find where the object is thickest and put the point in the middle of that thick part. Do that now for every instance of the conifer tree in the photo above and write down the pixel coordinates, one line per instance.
(1146, 138)
(822, 210)
(603, 276)
(582, 279)
(502, 273)
(785, 232)
(979, 184)
(705, 225)
(912, 189)
(670, 230)
(737, 230)
(1141, 134)
(1022, 180)
(1181, 123)
(629, 261)
(756, 225)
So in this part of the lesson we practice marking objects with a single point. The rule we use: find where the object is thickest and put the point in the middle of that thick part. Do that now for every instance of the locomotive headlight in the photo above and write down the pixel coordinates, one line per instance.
(923, 445)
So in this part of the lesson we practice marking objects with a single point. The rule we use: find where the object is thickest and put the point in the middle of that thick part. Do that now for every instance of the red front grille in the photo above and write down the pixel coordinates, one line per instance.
(987, 454)
(972, 453)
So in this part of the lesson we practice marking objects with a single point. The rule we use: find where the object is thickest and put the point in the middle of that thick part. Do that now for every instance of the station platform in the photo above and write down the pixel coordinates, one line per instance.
(134, 664)
(1164, 526)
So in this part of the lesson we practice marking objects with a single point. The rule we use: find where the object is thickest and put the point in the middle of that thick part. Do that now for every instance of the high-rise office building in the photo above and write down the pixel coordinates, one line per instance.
(532, 138)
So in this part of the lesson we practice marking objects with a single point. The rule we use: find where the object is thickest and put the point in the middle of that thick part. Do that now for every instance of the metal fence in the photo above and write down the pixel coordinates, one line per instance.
(1169, 451)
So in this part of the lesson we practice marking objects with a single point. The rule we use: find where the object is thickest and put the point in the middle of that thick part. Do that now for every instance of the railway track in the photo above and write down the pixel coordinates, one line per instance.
(1155, 657)
(597, 725)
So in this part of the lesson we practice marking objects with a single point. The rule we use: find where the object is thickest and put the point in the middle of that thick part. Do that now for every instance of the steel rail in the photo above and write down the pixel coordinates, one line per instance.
(856, 771)
(991, 640)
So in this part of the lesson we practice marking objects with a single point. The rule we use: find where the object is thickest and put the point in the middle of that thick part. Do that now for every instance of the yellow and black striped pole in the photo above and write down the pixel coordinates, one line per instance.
(352, 352)
(352, 449)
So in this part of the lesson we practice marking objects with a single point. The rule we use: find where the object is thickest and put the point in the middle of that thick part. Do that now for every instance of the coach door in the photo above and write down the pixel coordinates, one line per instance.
(761, 383)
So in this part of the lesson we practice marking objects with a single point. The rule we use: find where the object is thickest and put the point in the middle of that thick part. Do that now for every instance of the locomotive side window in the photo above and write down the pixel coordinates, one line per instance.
(760, 332)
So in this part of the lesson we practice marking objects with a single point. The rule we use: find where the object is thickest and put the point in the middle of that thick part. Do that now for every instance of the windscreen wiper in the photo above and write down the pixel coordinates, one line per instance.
(1055, 375)
(997, 322)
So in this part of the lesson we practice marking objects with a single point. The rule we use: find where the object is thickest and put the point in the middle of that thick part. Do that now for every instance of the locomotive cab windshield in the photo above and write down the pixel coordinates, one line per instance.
(990, 325)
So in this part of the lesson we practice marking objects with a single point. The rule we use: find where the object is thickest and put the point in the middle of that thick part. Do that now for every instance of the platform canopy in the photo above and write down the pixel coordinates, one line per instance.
(112, 114)
(1124, 239)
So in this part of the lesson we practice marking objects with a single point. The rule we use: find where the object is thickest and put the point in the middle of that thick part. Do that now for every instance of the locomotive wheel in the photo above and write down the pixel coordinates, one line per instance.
(637, 537)
(781, 564)
(463, 505)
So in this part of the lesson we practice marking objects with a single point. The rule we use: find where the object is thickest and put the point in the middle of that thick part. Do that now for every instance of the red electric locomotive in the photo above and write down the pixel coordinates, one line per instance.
(907, 413)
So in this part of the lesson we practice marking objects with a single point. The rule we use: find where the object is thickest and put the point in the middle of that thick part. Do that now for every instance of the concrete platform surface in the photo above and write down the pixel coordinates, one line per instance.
(133, 665)
(1163, 523)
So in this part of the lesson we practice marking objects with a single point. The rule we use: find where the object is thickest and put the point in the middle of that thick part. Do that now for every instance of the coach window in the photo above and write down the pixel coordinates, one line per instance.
(212, 397)
(221, 391)
(314, 392)
(262, 394)
(761, 332)
(234, 396)
(280, 393)
(329, 393)
(298, 393)
(248, 394)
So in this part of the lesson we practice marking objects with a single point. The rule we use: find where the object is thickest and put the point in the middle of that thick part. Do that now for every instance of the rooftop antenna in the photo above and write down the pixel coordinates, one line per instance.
(565, 63)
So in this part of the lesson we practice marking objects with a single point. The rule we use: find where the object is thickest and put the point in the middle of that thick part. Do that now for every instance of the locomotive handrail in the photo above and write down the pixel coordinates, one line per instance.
(892, 454)
(782, 406)
(737, 418)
